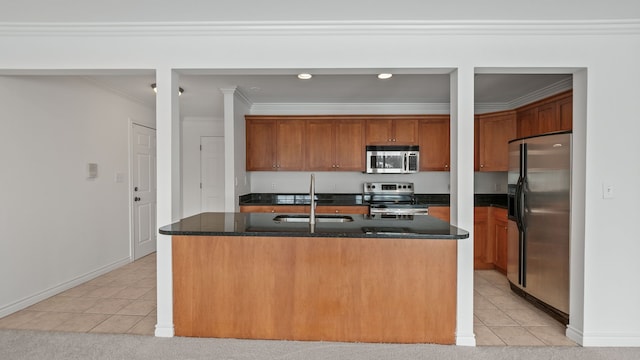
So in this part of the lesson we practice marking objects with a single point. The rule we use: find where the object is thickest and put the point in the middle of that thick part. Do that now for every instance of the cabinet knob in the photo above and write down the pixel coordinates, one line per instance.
(446, 166)
(334, 165)
(337, 211)
(481, 165)
(273, 166)
(337, 165)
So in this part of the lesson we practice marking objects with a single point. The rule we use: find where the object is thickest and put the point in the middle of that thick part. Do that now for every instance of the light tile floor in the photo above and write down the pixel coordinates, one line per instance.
(121, 301)
(503, 318)
(124, 301)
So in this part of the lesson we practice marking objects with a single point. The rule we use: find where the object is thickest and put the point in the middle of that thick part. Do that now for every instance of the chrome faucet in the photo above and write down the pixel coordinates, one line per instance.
(312, 200)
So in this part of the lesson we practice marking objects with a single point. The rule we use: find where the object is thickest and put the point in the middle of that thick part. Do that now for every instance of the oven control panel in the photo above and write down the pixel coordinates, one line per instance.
(388, 188)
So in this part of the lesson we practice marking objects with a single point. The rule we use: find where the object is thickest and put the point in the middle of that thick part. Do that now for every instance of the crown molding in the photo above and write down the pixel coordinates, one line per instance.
(349, 108)
(540, 94)
(307, 28)
(405, 108)
(485, 108)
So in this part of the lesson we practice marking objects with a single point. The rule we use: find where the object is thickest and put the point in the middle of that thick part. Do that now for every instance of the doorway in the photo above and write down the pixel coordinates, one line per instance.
(143, 190)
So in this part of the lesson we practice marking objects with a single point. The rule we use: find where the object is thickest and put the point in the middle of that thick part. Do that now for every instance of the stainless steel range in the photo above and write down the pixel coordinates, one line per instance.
(392, 200)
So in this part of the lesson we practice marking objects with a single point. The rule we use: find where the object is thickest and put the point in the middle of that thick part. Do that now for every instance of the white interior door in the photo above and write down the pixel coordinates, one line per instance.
(212, 173)
(144, 191)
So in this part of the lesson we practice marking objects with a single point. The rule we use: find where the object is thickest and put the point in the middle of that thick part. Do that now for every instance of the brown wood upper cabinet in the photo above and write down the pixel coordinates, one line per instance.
(298, 143)
(547, 115)
(392, 131)
(495, 131)
(434, 143)
(335, 144)
(274, 144)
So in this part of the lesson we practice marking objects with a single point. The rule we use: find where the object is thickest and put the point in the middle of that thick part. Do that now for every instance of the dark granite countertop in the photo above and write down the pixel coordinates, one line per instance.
(498, 200)
(362, 226)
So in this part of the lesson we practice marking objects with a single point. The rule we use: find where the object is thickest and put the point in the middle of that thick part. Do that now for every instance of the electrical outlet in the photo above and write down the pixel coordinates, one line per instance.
(273, 186)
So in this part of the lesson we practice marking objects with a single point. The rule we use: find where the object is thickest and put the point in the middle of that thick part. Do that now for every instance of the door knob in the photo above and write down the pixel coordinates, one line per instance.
(136, 199)
(135, 188)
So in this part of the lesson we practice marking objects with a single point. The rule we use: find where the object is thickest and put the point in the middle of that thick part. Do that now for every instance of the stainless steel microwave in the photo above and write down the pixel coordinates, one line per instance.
(394, 159)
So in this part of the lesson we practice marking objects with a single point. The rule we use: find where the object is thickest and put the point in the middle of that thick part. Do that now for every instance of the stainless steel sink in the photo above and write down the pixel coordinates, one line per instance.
(319, 218)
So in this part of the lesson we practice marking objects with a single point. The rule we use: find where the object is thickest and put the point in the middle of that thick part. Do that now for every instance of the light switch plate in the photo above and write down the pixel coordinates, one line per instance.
(608, 191)
(92, 169)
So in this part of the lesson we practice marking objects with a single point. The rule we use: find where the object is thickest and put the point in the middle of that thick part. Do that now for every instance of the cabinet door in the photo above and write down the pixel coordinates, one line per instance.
(405, 132)
(547, 121)
(500, 229)
(565, 113)
(379, 131)
(480, 227)
(527, 122)
(350, 145)
(289, 144)
(434, 144)
(277, 209)
(495, 132)
(261, 149)
(320, 145)
(342, 210)
(440, 212)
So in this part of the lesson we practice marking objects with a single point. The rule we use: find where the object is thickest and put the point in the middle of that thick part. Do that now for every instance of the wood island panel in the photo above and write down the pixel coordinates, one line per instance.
(331, 289)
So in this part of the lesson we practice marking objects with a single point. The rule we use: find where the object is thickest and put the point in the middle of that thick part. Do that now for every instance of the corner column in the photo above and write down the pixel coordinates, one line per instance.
(230, 199)
(462, 148)
(169, 194)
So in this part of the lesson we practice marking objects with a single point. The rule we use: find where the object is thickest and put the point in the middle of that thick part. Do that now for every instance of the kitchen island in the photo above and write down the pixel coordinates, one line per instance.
(346, 278)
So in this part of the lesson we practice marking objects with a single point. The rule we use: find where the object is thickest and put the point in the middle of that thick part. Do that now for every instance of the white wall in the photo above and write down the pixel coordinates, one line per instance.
(608, 52)
(58, 227)
(193, 128)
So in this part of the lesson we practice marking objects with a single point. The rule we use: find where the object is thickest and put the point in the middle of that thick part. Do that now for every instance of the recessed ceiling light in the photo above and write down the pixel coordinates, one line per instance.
(155, 89)
(384, 76)
(304, 76)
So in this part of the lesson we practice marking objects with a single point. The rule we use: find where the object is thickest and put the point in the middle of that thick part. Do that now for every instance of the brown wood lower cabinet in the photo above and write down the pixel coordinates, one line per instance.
(275, 208)
(481, 257)
(302, 209)
(440, 212)
(490, 235)
(326, 289)
(496, 235)
(499, 235)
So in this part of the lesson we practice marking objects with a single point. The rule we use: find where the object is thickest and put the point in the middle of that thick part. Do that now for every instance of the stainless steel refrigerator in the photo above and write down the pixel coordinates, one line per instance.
(539, 199)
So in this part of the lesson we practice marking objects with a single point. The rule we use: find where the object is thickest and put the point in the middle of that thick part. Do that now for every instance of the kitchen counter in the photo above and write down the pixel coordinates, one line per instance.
(245, 276)
(362, 226)
(498, 200)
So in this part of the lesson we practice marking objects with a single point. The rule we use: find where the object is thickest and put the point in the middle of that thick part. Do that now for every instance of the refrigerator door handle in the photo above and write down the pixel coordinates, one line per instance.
(519, 204)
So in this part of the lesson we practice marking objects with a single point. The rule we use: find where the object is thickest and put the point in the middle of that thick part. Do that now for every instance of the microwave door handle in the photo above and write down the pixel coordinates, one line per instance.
(405, 168)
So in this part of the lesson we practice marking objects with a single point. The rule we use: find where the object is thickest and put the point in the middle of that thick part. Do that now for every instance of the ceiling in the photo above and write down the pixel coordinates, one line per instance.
(202, 96)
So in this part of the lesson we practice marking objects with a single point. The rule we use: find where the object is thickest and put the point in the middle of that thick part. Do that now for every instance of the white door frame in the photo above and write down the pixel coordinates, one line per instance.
(132, 227)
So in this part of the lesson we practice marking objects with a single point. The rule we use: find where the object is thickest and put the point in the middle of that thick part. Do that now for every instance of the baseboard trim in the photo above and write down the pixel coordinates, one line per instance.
(47, 293)
(574, 334)
(603, 339)
(166, 331)
(610, 340)
(466, 340)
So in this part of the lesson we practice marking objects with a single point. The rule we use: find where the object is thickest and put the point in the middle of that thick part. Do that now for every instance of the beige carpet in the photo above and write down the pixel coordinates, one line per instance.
(36, 345)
